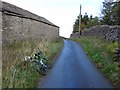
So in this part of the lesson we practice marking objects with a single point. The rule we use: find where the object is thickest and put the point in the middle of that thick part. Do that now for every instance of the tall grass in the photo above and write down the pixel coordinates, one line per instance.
(18, 73)
(102, 54)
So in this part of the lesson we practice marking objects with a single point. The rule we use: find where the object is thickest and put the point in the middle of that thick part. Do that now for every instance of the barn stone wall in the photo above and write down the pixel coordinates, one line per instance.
(19, 24)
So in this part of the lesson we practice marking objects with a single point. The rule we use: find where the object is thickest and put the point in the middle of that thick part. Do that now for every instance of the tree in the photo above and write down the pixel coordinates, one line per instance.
(85, 19)
(116, 13)
(93, 21)
(86, 22)
(91, 17)
(76, 26)
(111, 13)
(107, 13)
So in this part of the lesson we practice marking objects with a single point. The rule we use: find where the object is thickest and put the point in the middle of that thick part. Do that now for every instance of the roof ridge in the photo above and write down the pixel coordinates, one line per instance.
(11, 9)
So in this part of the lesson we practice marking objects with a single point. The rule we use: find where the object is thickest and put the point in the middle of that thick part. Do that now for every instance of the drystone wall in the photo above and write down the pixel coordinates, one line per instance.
(110, 33)
(19, 24)
(76, 34)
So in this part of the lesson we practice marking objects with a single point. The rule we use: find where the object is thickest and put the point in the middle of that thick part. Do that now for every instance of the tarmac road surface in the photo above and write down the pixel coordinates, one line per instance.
(73, 69)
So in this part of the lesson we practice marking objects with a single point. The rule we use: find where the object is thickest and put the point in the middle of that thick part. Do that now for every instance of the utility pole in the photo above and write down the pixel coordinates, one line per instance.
(80, 20)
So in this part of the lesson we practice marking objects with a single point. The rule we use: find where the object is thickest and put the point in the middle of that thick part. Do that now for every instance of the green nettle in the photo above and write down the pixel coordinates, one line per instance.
(112, 47)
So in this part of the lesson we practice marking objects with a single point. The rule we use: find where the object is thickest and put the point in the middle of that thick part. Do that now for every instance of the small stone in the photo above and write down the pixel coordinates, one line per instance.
(117, 51)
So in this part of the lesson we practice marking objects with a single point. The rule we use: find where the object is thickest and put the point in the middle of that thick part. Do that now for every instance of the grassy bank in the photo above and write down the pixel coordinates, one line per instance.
(101, 53)
(16, 72)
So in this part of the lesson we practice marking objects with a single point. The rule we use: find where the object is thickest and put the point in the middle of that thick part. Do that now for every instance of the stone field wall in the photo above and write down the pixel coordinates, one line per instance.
(110, 33)
(19, 24)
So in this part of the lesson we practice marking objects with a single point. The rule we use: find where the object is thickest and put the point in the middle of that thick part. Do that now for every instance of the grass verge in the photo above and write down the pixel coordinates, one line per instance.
(18, 73)
(101, 53)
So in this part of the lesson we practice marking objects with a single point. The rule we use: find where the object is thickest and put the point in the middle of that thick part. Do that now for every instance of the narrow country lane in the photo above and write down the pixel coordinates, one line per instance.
(73, 69)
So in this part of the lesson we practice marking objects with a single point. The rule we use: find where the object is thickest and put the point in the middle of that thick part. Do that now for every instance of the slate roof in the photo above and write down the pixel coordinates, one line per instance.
(16, 11)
